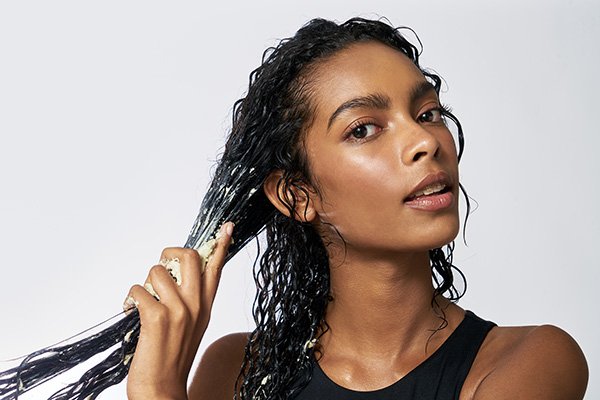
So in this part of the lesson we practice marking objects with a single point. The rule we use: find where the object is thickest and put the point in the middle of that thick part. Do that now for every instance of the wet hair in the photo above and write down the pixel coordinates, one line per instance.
(292, 271)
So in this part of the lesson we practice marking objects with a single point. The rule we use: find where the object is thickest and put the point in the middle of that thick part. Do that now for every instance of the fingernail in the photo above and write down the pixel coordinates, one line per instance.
(222, 231)
(225, 229)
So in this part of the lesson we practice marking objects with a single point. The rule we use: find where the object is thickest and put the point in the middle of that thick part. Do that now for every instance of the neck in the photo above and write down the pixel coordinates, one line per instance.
(381, 305)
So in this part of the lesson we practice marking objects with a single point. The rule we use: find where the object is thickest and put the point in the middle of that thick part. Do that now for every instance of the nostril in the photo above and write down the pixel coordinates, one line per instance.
(418, 155)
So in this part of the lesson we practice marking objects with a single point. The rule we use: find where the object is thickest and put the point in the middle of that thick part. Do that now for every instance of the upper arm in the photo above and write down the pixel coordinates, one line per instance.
(545, 364)
(219, 368)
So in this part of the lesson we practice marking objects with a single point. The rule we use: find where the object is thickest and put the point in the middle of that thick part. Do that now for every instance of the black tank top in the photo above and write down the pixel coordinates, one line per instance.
(439, 377)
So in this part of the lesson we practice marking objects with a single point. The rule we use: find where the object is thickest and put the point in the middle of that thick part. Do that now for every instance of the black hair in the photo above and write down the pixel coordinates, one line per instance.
(292, 272)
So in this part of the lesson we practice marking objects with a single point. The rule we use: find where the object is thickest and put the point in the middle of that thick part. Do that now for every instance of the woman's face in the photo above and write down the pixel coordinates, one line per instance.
(378, 134)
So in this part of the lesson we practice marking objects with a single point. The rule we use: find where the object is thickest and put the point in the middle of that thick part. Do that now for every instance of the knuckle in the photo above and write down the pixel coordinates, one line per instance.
(190, 255)
(136, 289)
(185, 254)
(157, 271)
(181, 315)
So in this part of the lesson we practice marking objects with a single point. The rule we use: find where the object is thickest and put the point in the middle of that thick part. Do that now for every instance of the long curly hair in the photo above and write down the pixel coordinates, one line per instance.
(292, 273)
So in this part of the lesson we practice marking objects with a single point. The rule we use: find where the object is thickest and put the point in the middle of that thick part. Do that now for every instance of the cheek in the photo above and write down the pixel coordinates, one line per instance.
(356, 190)
(362, 196)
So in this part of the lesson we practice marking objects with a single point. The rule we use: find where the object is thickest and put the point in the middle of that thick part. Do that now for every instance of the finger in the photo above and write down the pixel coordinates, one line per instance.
(190, 268)
(164, 285)
(214, 267)
(145, 303)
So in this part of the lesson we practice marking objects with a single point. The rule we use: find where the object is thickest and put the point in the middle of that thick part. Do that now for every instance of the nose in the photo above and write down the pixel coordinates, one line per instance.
(419, 144)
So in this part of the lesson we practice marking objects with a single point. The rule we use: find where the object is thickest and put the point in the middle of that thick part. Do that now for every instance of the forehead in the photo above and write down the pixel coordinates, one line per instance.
(363, 68)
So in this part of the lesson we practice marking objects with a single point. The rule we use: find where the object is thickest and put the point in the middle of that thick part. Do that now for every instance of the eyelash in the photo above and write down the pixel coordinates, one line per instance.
(443, 109)
(355, 126)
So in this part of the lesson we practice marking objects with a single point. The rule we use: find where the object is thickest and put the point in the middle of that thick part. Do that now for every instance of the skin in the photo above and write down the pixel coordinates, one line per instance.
(172, 328)
(362, 181)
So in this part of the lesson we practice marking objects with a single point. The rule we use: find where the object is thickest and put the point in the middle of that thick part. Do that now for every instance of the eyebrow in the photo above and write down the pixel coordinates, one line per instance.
(421, 90)
(380, 101)
(375, 100)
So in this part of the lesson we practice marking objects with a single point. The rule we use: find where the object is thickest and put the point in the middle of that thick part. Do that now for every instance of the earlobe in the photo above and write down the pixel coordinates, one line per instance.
(293, 196)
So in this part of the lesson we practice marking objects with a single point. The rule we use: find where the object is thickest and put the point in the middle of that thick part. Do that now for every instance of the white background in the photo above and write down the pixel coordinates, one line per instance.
(112, 113)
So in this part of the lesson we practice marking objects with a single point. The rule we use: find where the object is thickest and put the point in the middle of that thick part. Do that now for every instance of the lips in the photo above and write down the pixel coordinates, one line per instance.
(429, 190)
(434, 183)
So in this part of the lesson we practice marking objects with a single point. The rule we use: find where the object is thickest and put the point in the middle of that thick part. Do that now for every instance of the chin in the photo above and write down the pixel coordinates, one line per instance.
(439, 236)
(448, 238)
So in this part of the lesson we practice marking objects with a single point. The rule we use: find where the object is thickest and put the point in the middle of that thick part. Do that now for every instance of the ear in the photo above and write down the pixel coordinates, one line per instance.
(275, 190)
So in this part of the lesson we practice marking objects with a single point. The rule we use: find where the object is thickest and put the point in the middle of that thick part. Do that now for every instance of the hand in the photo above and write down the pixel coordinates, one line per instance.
(172, 327)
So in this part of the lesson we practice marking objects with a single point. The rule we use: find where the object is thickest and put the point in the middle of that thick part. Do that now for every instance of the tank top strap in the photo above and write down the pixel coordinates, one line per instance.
(453, 363)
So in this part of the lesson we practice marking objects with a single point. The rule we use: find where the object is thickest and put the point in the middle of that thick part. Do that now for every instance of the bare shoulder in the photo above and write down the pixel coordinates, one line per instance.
(219, 368)
(528, 362)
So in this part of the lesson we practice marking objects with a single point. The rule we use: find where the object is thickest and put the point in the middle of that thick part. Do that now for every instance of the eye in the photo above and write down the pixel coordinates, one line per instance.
(361, 131)
(432, 115)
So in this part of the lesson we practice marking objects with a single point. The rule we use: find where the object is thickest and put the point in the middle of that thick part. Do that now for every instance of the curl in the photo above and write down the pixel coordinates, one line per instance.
(292, 273)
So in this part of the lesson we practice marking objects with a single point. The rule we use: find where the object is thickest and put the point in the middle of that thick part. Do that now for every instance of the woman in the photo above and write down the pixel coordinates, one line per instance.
(358, 190)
